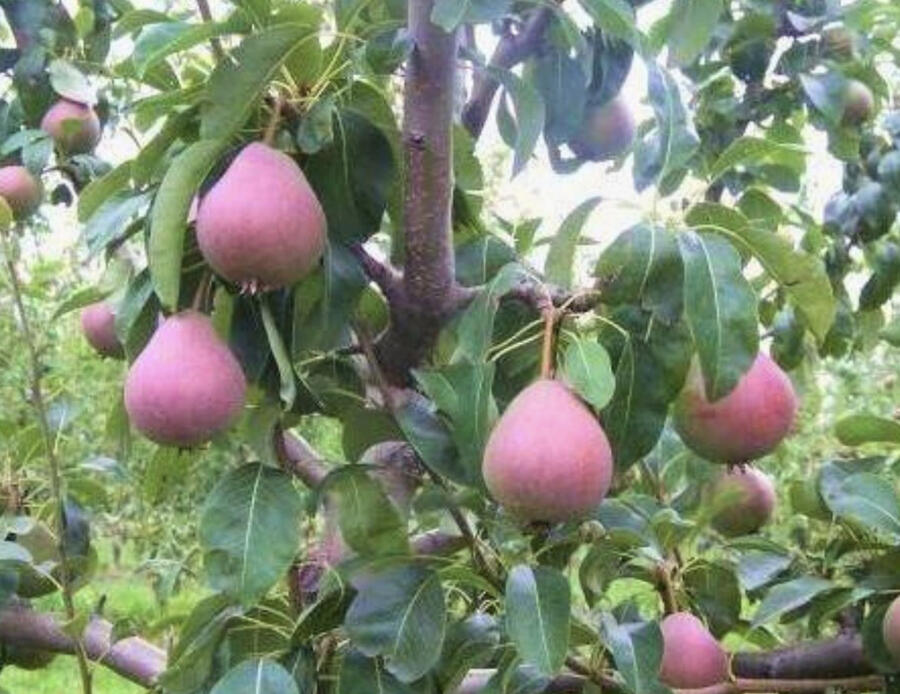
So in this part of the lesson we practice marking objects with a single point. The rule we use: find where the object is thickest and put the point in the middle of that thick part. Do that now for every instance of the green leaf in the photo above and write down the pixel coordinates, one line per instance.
(250, 531)
(167, 468)
(662, 155)
(463, 392)
(715, 590)
(168, 219)
(529, 121)
(324, 302)
(559, 265)
(801, 275)
(370, 523)
(235, 84)
(868, 499)
(400, 614)
(256, 676)
(111, 221)
(691, 25)
(537, 615)
(288, 391)
(469, 643)
(449, 14)
(789, 596)
(637, 652)
(190, 662)
(100, 189)
(643, 266)
(857, 429)
(181, 36)
(758, 568)
(586, 367)
(362, 675)
(475, 328)
(614, 17)
(69, 82)
(755, 151)
(428, 434)
(353, 177)
(720, 306)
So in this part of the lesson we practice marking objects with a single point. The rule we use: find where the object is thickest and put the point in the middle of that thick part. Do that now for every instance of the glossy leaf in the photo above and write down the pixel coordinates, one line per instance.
(256, 677)
(857, 429)
(789, 596)
(250, 531)
(537, 615)
(720, 307)
(559, 267)
(168, 218)
(400, 614)
(586, 367)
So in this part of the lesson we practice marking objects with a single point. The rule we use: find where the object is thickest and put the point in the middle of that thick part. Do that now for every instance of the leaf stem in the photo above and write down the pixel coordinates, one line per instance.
(37, 397)
(547, 349)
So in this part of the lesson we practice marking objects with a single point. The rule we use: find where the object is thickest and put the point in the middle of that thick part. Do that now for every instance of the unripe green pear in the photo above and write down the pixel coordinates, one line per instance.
(745, 500)
(74, 127)
(859, 104)
(186, 386)
(98, 323)
(890, 629)
(692, 658)
(22, 191)
(746, 424)
(261, 223)
(606, 131)
(547, 458)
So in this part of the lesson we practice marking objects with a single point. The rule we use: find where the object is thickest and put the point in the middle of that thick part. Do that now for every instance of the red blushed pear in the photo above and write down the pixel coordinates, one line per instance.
(746, 424)
(891, 630)
(606, 132)
(692, 658)
(186, 386)
(98, 323)
(261, 223)
(74, 127)
(746, 499)
(547, 458)
(21, 190)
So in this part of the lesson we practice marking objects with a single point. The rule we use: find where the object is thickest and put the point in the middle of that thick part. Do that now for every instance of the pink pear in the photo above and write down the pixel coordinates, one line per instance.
(21, 190)
(547, 458)
(186, 386)
(692, 658)
(261, 223)
(98, 323)
(891, 630)
(73, 126)
(746, 424)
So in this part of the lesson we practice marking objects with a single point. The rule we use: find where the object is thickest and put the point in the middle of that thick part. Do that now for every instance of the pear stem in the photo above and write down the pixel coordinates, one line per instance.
(202, 292)
(272, 126)
(547, 350)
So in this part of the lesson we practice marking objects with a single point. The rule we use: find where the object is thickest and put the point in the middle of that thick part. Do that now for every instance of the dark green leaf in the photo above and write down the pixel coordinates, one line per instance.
(786, 597)
(857, 429)
(250, 531)
(586, 367)
(256, 677)
(537, 615)
(400, 614)
(721, 310)
(559, 265)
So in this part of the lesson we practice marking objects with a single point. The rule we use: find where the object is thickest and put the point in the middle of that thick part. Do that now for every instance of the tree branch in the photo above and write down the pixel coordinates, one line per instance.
(206, 15)
(133, 658)
(511, 50)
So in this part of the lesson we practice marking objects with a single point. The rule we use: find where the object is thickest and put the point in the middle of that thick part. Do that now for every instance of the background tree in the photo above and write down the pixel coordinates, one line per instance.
(302, 233)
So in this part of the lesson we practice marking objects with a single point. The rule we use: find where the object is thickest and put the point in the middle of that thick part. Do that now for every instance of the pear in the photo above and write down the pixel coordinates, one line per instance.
(746, 501)
(547, 458)
(21, 190)
(605, 132)
(859, 104)
(746, 424)
(73, 126)
(261, 223)
(186, 386)
(98, 323)
(891, 630)
(692, 658)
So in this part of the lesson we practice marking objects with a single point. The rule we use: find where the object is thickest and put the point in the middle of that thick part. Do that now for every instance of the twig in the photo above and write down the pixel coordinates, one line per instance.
(274, 119)
(665, 589)
(40, 408)
(206, 15)
(388, 279)
(547, 346)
